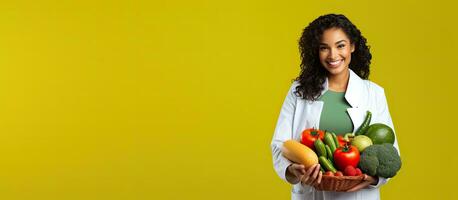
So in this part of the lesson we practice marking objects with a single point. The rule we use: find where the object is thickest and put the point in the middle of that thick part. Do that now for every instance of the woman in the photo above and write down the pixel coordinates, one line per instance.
(331, 93)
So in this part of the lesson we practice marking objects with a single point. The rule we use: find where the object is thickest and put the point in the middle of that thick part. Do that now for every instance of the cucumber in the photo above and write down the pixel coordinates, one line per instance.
(329, 140)
(327, 165)
(329, 153)
(319, 147)
(335, 140)
(365, 125)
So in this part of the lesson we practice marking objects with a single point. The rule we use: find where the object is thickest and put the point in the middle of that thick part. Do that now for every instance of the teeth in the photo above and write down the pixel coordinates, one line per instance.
(335, 62)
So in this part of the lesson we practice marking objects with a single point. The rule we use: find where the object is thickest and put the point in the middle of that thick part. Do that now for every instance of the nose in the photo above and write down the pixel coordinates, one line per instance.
(333, 54)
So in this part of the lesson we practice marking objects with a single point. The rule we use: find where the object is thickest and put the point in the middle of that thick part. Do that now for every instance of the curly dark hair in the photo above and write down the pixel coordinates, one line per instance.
(313, 74)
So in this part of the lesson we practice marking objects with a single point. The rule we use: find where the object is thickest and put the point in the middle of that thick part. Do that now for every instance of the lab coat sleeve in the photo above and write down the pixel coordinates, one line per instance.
(383, 116)
(283, 131)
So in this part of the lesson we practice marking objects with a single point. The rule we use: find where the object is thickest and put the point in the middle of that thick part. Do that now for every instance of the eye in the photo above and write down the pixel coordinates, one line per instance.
(341, 46)
(322, 48)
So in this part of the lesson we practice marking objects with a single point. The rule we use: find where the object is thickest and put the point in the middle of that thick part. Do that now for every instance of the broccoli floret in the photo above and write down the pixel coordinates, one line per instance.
(369, 164)
(372, 151)
(380, 159)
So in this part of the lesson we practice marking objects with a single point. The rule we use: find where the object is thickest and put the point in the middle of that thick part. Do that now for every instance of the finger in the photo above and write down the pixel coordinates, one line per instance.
(317, 171)
(318, 180)
(299, 168)
(311, 169)
(293, 169)
(359, 186)
(314, 174)
(369, 179)
(304, 179)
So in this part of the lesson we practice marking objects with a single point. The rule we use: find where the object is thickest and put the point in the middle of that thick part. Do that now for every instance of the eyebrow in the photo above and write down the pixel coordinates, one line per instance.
(335, 43)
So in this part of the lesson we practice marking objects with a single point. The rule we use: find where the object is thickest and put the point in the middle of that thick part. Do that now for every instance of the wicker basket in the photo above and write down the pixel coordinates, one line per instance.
(339, 183)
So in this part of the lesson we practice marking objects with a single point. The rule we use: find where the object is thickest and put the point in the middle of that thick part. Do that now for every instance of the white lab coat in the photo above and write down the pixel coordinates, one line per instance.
(298, 114)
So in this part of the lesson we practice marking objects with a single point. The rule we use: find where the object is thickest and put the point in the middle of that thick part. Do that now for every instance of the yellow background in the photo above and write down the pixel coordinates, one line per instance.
(179, 99)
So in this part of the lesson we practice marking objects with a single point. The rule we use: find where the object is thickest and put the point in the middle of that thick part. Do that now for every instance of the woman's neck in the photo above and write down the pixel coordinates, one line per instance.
(339, 82)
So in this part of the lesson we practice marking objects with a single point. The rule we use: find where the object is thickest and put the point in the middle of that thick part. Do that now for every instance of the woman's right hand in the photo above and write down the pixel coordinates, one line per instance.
(312, 176)
(294, 173)
(297, 173)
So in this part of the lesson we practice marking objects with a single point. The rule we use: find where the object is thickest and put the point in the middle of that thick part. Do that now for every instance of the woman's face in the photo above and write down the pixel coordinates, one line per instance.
(335, 51)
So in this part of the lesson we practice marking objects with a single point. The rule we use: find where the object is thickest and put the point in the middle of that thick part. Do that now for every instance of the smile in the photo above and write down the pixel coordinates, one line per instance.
(335, 63)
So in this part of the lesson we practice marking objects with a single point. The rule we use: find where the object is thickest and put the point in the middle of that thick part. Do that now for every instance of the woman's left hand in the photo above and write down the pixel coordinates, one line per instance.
(366, 182)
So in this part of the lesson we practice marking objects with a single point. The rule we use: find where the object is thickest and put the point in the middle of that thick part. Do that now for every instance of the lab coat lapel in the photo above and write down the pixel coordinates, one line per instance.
(353, 95)
(357, 117)
(354, 90)
(316, 107)
(310, 117)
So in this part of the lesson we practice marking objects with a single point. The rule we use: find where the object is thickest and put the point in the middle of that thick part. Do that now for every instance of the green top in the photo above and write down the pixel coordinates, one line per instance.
(334, 116)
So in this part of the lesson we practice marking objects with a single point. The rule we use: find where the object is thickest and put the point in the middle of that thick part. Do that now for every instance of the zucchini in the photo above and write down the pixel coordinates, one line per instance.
(329, 153)
(327, 165)
(334, 137)
(329, 140)
(365, 125)
(319, 147)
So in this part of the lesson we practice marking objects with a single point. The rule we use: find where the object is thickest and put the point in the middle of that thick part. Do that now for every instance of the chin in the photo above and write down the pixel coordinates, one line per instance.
(336, 71)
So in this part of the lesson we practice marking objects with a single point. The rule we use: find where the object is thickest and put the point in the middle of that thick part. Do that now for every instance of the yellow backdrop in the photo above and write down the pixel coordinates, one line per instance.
(179, 99)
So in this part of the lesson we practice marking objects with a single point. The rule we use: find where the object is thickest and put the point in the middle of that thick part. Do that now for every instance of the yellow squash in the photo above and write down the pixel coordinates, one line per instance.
(299, 153)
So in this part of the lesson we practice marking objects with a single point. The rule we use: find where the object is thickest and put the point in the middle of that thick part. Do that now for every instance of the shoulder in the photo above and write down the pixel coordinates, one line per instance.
(374, 90)
(294, 86)
(293, 90)
(373, 87)
(365, 86)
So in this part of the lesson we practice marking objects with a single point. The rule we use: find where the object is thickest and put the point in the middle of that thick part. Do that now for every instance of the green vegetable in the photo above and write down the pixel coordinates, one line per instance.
(380, 159)
(319, 147)
(329, 153)
(329, 140)
(327, 165)
(365, 125)
(361, 142)
(334, 137)
(380, 133)
(348, 136)
(369, 164)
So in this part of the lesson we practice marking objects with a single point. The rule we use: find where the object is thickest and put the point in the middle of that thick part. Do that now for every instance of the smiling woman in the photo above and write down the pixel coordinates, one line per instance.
(335, 52)
(331, 93)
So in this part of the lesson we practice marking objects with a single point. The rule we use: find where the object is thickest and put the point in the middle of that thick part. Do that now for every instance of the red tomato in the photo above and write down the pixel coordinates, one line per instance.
(329, 173)
(346, 155)
(338, 173)
(310, 135)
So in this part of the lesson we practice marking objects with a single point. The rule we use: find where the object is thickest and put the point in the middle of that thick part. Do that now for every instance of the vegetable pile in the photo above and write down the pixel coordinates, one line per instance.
(369, 150)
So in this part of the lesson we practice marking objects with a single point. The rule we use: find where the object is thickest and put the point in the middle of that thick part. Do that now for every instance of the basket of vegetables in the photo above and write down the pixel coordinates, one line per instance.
(345, 159)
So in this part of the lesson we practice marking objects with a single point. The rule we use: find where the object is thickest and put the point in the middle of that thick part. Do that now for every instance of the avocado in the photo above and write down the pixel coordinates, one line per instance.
(380, 133)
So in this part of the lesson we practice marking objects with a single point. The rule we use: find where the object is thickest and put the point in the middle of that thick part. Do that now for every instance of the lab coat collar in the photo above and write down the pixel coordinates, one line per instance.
(354, 89)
